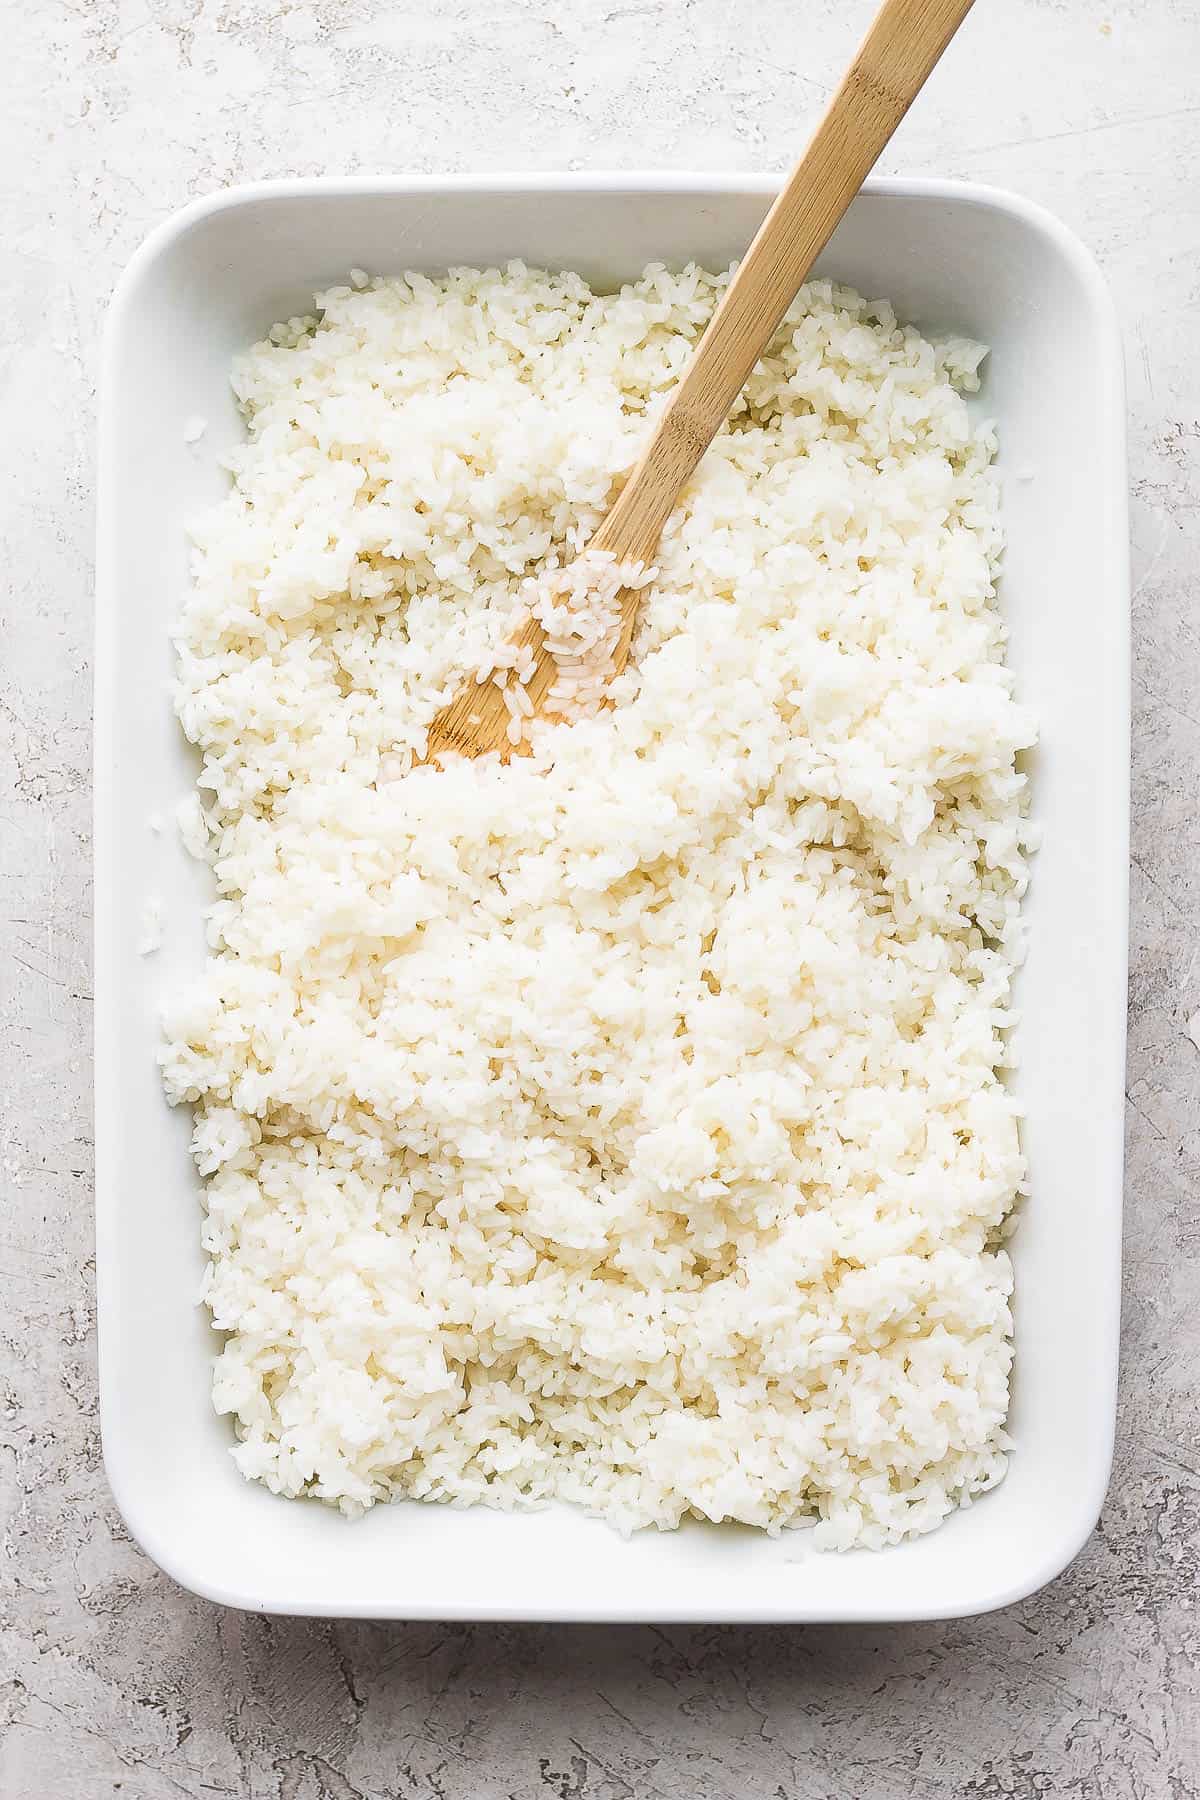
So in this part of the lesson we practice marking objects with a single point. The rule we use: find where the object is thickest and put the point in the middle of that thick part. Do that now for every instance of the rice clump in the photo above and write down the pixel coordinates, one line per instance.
(579, 610)
(623, 1125)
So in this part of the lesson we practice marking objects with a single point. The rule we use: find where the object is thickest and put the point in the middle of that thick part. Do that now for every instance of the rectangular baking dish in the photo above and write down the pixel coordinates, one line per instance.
(949, 256)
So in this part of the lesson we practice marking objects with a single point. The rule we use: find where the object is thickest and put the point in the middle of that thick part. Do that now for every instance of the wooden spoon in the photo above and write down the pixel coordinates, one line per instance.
(894, 60)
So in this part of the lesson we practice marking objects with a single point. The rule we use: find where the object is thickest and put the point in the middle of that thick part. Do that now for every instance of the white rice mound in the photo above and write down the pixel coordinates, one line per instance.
(622, 1125)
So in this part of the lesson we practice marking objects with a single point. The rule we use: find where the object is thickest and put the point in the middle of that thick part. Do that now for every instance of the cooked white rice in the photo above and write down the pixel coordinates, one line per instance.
(622, 1125)
(579, 609)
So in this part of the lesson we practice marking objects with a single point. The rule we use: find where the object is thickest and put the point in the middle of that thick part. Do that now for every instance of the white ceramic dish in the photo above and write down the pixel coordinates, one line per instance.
(209, 281)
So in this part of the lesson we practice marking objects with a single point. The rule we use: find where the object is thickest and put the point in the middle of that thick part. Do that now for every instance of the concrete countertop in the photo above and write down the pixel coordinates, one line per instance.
(111, 1679)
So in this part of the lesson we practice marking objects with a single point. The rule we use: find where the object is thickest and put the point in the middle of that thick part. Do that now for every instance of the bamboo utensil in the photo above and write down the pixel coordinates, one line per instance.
(893, 62)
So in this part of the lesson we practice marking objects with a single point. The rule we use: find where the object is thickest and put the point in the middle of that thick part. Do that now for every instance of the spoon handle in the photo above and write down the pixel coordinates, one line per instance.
(894, 60)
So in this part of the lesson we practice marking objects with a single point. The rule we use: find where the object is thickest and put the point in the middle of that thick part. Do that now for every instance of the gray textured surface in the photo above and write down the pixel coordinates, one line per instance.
(112, 1680)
